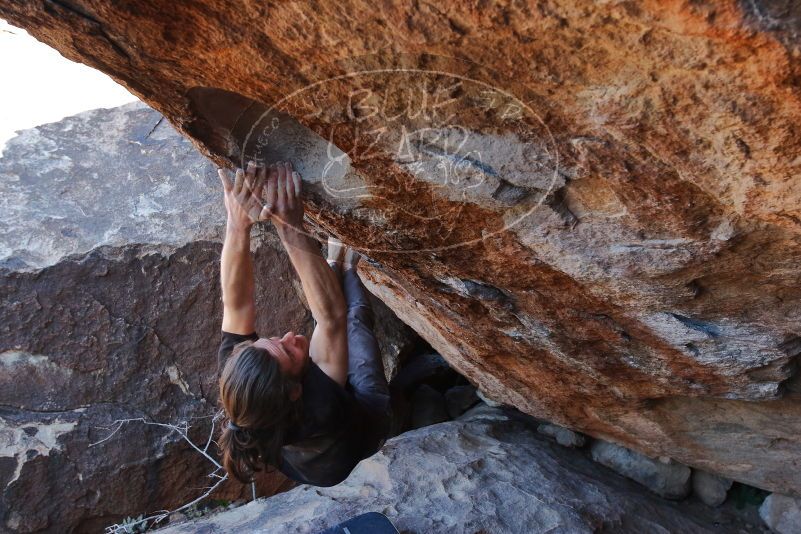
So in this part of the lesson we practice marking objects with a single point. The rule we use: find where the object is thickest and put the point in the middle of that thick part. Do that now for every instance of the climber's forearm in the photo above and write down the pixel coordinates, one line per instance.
(238, 286)
(320, 283)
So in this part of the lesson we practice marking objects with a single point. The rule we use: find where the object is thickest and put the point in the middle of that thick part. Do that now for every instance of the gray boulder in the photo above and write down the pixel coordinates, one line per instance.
(482, 411)
(491, 475)
(711, 489)
(781, 513)
(563, 436)
(670, 480)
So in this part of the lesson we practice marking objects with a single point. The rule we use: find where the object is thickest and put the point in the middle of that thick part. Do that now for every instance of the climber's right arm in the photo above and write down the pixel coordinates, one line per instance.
(328, 347)
(236, 265)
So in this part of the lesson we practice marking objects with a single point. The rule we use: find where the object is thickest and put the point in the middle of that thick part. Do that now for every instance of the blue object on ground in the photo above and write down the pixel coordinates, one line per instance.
(369, 523)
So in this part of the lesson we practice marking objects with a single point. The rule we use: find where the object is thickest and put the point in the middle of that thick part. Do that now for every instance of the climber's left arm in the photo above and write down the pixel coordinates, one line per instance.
(236, 265)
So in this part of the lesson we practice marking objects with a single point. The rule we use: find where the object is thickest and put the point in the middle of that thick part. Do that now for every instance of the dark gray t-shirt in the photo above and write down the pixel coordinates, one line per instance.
(333, 435)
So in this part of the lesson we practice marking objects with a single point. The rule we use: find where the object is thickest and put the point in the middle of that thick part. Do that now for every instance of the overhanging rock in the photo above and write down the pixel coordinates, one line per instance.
(589, 209)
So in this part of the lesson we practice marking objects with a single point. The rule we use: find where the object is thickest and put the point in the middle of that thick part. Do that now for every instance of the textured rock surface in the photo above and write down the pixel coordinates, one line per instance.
(485, 398)
(600, 225)
(667, 479)
(563, 436)
(102, 178)
(781, 513)
(711, 489)
(455, 477)
(109, 268)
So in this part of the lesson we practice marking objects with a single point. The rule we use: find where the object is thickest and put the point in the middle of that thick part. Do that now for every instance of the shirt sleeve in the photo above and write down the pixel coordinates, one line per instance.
(229, 341)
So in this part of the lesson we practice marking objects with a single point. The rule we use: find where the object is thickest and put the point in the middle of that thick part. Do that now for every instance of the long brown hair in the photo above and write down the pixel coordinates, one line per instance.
(255, 395)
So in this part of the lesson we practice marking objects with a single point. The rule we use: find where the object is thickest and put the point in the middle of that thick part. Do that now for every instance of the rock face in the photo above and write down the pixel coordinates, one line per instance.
(711, 489)
(563, 436)
(588, 208)
(109, 268)
(668, 480)
(456, 477)
(782, 514)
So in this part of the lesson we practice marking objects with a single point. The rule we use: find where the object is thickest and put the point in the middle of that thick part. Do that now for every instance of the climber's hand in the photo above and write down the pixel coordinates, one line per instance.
(243, 196)
(282, 196)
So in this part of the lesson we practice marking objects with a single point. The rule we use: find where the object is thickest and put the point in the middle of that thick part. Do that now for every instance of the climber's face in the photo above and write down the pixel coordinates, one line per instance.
(291, 351)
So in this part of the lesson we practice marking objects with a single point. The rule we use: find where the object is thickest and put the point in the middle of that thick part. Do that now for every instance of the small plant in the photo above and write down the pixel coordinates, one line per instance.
(132, 525)
(191, 509)
(193, 512)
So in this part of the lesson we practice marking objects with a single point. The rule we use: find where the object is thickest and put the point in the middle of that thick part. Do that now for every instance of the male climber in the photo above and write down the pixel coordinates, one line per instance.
(310, 408)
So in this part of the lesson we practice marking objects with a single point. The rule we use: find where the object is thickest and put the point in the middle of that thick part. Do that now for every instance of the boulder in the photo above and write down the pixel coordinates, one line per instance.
(587, 208)
(563, 436)
(109, 266)
(665, 478)
(487, 400)
(483, 411)
(711, 489)
(488, 474)
(781, 513)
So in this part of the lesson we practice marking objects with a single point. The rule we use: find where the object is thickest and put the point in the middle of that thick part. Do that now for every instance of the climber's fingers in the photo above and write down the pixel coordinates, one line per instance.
(225, 178)
(250, 173)
(239, 182)
(290, 186)
(261, 177)
(280, 203)
(270, 194)
(251, 193)
(254, 208)
(298, 183)
(250, 179)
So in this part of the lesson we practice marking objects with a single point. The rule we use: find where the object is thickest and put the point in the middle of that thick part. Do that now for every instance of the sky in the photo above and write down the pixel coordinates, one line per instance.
(39, 85)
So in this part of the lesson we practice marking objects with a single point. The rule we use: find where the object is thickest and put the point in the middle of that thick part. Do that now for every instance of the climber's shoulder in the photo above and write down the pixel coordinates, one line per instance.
(331, 437)
(227, 343)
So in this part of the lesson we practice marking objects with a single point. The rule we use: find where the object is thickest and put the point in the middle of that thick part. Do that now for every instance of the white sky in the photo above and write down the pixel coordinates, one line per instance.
(39, 85)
